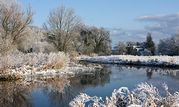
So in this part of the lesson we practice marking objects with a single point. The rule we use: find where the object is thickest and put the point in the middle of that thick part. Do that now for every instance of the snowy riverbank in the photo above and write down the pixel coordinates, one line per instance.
(27, 72)
(40, 65)
(163, 61)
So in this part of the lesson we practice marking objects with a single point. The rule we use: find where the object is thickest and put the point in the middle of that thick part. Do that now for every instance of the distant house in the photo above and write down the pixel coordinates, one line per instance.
(132, 48)
(145, 52)
(141, 50)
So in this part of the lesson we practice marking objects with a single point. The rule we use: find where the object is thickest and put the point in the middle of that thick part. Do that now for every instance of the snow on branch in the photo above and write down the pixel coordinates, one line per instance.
(145, 95)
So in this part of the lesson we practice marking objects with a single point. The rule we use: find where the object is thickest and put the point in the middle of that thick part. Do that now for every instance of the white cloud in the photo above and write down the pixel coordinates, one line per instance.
(161, 18)
(166, 23)
(161, 26)
(125, 35)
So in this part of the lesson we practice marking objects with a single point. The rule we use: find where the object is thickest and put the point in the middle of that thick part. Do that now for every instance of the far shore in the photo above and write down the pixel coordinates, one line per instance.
(157, 61)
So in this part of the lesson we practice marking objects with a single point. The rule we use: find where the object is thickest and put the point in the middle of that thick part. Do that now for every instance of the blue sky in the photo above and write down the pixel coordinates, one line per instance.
(127, 19)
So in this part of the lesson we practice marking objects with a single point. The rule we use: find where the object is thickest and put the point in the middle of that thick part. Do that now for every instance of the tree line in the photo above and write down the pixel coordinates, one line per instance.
(63, 31)
(136, 48)
(168, 46)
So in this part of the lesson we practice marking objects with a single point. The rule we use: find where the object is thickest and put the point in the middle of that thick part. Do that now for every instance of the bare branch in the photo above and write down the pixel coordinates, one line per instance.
(61, 24)
(13, 22)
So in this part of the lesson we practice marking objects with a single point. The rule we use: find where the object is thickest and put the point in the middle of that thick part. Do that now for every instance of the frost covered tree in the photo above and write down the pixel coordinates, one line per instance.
(95, 40)
(35, 40)
(60, 28)
(169, 46)
(102, 41)
(13, 22)
(86, 40)
(120, 48)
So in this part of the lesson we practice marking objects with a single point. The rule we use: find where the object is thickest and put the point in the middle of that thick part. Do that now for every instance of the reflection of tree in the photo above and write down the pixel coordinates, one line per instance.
(149, 73)
(150, 70)
(162, 71)
(62, 99)
(12, 95)
(173, 73)
(54, 84)
(58, 91)
(99, 77)
(17, 94)
(77, 84)
(177, 74)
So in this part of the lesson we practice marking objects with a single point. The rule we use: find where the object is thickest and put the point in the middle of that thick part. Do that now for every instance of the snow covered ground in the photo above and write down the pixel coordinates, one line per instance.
(27, 72)
(169, 61)
(41, 65)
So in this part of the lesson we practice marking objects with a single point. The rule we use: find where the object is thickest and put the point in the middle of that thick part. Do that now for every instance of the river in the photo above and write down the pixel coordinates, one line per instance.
(58, 92)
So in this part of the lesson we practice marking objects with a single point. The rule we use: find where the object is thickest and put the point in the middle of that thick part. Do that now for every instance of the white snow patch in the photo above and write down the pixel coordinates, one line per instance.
(130, 59)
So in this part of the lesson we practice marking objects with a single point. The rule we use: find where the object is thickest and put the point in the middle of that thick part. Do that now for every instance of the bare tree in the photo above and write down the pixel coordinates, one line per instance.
(13, 22)
(61, 28)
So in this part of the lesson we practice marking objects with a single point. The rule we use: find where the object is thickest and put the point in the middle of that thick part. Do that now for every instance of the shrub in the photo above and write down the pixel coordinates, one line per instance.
(44, 60)
(57, 60)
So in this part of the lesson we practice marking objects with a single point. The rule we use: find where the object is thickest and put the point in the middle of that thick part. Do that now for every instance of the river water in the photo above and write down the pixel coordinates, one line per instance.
(58, 92)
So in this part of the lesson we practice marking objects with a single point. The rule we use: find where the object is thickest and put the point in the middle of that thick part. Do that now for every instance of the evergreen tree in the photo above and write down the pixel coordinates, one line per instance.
(150, 45)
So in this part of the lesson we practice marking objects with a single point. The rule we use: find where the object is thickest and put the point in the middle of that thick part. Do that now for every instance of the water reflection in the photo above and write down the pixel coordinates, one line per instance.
(60, 91)
(12, 95)
(149, 73)
(59, 99)
(77, 85)
(18, 94)
(99, 77)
